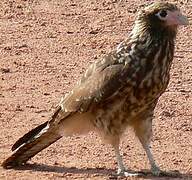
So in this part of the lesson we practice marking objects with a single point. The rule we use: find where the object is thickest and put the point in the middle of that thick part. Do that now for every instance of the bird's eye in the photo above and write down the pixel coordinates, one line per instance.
(162, 13)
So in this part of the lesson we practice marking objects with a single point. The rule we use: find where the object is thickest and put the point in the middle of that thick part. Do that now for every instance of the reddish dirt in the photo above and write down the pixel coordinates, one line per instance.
(44, 48)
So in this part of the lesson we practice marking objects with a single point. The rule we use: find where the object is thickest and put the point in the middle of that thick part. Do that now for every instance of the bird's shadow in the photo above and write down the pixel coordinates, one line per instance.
(145, 174)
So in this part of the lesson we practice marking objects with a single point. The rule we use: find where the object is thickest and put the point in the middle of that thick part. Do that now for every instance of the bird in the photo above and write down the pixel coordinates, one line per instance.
(117, 91)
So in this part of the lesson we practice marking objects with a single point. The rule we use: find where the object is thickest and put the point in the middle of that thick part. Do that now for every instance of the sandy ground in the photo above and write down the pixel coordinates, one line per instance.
(45, 46)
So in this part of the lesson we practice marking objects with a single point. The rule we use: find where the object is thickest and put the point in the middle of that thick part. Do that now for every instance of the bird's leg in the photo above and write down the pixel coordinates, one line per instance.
(143, 130)
(156, 171)
(154, 168)
(121, 168)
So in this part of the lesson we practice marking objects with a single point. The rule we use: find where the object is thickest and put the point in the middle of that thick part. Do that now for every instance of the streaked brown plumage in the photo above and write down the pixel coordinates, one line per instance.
(117, 91)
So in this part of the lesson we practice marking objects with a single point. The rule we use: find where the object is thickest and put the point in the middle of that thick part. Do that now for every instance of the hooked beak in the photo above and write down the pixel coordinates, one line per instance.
(177, 19)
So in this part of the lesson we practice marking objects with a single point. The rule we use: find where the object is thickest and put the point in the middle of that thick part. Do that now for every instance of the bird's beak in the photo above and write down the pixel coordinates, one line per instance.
(176, 18)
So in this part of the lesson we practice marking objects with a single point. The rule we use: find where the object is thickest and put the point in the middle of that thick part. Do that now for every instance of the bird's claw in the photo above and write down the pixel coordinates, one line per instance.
(156, 171)
(127, 173)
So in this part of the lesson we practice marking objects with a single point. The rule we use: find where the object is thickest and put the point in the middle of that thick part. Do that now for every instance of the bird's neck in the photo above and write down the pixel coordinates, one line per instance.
(154, 51)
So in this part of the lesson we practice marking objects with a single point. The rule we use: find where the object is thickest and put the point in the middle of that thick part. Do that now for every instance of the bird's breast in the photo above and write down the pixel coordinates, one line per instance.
(152, 70)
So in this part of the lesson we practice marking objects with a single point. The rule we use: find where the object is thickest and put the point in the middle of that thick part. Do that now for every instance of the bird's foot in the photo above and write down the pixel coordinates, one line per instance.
(156, 171)
(127, 173)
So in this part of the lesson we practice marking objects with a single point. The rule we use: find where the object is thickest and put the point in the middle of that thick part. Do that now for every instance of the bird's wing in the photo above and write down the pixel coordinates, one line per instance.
(101, 80)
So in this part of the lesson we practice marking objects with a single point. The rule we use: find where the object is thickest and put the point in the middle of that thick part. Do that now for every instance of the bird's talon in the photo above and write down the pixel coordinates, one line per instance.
(156, 171)
(170, 174)
(127, 173)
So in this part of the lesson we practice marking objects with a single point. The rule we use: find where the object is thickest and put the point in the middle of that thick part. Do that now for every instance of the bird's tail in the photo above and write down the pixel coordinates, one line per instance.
(33, 142)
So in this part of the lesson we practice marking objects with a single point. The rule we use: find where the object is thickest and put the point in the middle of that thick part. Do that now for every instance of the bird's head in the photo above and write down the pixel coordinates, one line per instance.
(159, 17)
